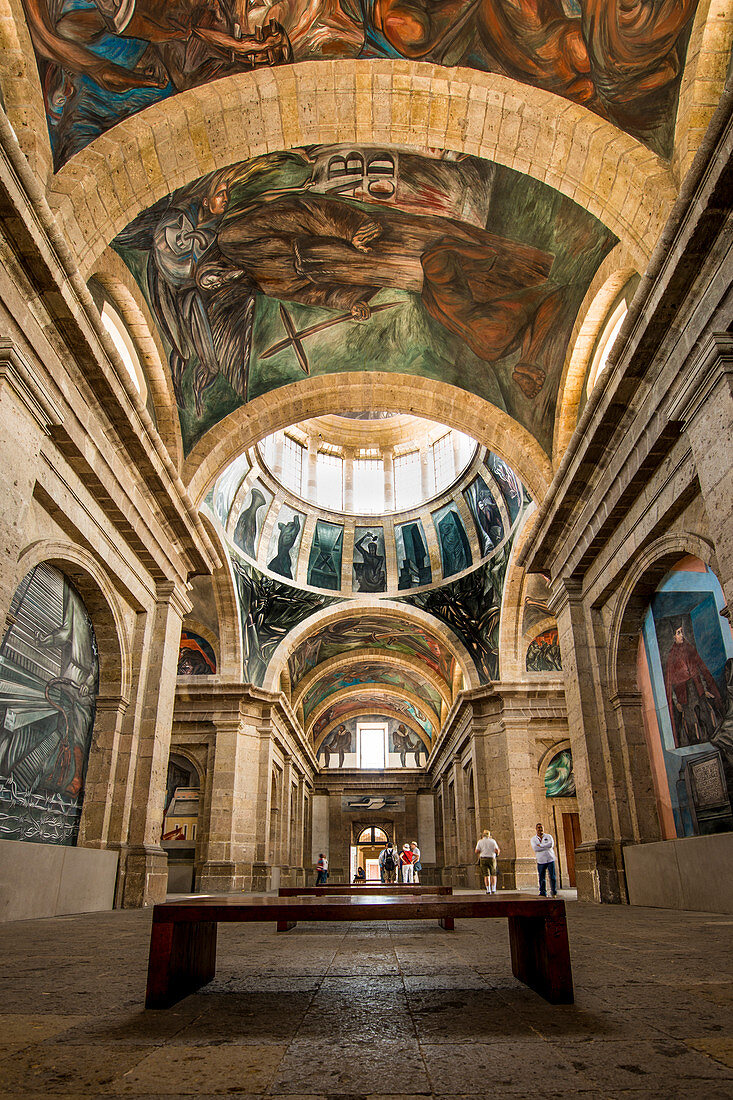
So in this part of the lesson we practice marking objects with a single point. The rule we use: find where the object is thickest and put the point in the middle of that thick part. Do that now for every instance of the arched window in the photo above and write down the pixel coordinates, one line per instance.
(606, 342)
(122, 341)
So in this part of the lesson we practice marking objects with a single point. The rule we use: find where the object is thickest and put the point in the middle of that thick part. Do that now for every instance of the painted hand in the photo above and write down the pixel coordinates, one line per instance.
(363, 236)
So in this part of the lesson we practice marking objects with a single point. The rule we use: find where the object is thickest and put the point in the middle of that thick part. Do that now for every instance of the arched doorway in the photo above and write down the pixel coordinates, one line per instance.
(367, 844)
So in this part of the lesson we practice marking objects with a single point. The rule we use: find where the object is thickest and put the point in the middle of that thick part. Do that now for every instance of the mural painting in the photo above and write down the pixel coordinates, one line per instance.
(101, 61)
(226, 487)
(374, 673)
(455, 551)
(49, 680)
(413, 560)
(543, 654)
(406, 748)
(471, 607)
(685, 672)
(251, 518)
(559, 776)
(332, 258)
(361, 702)
(509, 483)
(285, 542)
(384, 632)
(370, 573)
(486, 514)
(338, 742)
(195, 656)
(268, 610)
(324, 563)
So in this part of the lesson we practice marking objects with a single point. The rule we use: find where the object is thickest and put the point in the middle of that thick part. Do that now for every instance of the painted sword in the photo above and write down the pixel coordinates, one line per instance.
(295, 338)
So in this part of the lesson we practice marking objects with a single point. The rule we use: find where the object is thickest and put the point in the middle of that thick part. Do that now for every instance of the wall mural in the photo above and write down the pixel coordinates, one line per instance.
(334, 258)
(374, 673)
(268, 610)
(455, 550)
(559, 776)
(536, 608)
(413, 560)
(686, 681)
(324, 563)
(249, 523)
(49, 680)
(543, 654)
(364, 701)
(387, 633)
(471, 607)
(512, 490)
(226, 486)
(101, 61)
(370, 572)
(285, 542)
(486, 514)
(195, 656)
(403, 743)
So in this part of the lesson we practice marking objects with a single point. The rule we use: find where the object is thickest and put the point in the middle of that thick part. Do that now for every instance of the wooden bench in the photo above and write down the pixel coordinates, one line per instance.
(378, 888)
(183, 935)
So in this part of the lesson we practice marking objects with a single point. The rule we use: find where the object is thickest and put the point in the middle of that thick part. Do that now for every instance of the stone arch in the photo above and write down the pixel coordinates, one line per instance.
(20, 88)
(632, 600)
(615, 273)
(611, 174)
(379, 657)
(383, 608)
(703, 80)
(354, 392)
(118, 284)
(229, 652)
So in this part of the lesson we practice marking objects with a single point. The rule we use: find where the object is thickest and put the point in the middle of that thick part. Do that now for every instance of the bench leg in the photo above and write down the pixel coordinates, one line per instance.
(182, 959)
(541, 956)
(286, 925)
(449, 923)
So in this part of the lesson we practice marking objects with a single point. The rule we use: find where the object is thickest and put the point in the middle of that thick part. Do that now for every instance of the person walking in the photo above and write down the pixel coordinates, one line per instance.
(487, 850)
(406, 864)
(416, 864)
(543, 847)
(387, 863)
(322, 869)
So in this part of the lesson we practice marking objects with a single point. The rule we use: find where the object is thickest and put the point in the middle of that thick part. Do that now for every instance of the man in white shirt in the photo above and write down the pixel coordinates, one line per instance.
(487, 850)
(322, 869)
(544, 850)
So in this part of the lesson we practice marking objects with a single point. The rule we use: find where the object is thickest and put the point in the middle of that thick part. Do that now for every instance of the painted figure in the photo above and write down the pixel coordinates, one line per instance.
(286, 540)
(405, 741)
(370, 572)
(453, 544)
(245, 531)
(692, 694)
(193, 660)
(338, 741)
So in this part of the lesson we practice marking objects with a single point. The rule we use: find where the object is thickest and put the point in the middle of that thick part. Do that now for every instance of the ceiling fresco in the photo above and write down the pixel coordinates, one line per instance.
(387, 633)
(371, 701)
(101, 61)
(336, 258)
(373, 673)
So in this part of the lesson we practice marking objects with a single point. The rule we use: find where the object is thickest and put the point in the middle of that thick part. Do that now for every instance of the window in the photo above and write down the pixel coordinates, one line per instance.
(606, 342)
(330, 481)
(372, 745)
(442, 462)
(292, 473)
(368, 485)
(407, 480)
(269, 450)
(122, 341)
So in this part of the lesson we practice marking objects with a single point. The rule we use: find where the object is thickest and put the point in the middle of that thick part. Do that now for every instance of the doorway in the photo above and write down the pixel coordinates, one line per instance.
(365, 851)
(572, 837)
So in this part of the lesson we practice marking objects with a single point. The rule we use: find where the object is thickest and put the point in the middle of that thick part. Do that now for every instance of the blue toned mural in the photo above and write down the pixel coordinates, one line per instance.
(226, 487)
(268, 610)
(455, 551)
(285, 542)
(413, 560)
(509, 483)
(559, 776)
(684, 679)
(49, 680)
(324, 563)
(249, 523)
(370, 572)
(101, 61)
(485, 513)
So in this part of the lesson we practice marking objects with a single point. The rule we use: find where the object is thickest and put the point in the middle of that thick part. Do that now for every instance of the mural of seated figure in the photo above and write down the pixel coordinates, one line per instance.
(403, 741)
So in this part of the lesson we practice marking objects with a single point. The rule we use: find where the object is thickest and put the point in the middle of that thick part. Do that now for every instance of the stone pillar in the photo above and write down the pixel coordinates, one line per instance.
(459, 801)
(143, 863)
(456, 453)
(286, 856)
(94, 827)
(221, 867)
(348, 479)
(388, 459)
(426, 481)
(705, 407)
(279, 450)
(604, 818)
(310, 472)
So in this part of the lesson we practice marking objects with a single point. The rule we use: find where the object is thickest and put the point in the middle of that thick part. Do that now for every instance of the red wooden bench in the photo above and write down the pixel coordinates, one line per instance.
(183, 935)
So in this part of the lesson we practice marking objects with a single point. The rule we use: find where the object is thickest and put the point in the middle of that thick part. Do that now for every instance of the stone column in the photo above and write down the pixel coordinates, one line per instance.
(426, 481)
(279, 449)
(389, 497)
(221, 860)
(705, 407)
(348, 455)
(310, 472)
(459, 800)
(286, 856)
(144, 864)
(94, 827)
(592, 751)
(456, 453)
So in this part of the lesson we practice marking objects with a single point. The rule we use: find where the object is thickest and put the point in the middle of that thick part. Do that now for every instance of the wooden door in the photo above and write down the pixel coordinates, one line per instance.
(571, 833)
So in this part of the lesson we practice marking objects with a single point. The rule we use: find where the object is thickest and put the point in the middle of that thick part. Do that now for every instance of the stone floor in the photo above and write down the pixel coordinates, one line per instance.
(371, 1010)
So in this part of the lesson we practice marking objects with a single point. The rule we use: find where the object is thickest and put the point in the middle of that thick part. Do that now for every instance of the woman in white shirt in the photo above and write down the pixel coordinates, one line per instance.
(416, 864)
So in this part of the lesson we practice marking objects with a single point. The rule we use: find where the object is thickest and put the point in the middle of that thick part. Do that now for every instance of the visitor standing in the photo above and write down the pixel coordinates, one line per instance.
(416, 864)
(406, 863)
(322, 869)
(387, 863)
(543, 847)
(487, 850)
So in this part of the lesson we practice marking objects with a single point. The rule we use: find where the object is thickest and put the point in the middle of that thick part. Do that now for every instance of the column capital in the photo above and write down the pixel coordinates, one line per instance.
(713, 365)
(175, 595)
(564, 591)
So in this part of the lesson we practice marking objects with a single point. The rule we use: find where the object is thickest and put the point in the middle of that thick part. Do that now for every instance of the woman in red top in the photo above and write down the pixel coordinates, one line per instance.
(406, 863)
